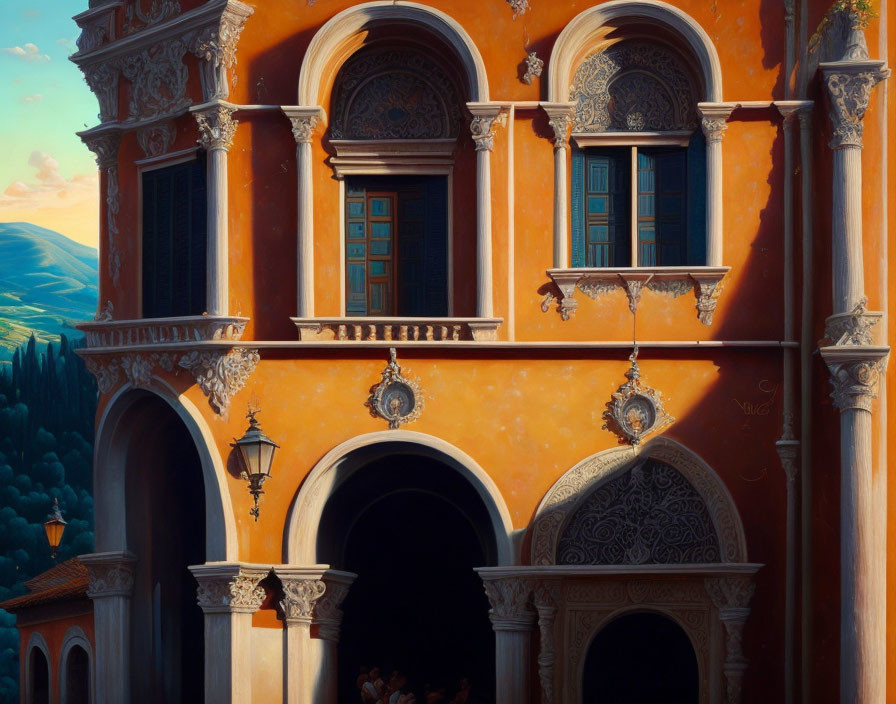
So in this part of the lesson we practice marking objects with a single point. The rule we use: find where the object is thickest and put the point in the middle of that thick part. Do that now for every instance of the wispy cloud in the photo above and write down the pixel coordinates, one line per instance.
(29, 53)
(30, 14)
(33, 98)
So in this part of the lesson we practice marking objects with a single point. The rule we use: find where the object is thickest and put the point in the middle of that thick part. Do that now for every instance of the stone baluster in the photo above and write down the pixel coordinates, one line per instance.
(856, 366)
(110, 585)
(731, 596)
(327, 620)
(714, 122)
(216, 131)
(547, 596)
(229, 594)
(305, 121)
(512, 620)
(560, 116)
(485, 117)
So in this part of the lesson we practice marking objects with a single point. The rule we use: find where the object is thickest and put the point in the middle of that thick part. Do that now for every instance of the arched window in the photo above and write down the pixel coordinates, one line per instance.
(77, 677)
(38, 676)
(638, 164)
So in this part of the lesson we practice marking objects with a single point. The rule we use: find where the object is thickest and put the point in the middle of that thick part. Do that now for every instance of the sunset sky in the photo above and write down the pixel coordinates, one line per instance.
(47, 176)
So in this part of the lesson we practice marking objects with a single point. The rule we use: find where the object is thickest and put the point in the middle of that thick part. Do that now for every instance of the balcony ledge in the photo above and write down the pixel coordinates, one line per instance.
(159, 331)
(368, 329)
(675, 281)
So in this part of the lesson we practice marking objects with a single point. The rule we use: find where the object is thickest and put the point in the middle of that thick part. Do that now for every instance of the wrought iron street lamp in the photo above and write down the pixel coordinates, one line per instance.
(55, 527)
(257, 452)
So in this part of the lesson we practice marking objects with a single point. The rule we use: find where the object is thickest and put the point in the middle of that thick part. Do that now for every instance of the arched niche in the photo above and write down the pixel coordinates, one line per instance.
(589, 28)
(344, 33)
(75, 661)
(578, 484)
(38, 673)
(124, 418)
(345, 460)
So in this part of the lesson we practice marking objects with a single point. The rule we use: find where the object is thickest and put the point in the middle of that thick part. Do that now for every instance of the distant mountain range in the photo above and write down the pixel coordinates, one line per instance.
(47, 284)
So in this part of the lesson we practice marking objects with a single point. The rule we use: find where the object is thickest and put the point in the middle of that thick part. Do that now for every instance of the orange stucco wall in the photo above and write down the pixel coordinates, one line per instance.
(527, 415)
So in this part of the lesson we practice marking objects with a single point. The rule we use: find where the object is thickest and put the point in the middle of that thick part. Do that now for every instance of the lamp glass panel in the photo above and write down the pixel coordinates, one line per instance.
(266, 457)
(54, 531)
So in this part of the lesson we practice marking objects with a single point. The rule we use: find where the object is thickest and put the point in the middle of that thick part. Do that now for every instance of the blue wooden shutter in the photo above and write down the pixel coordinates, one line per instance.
(662, 207)
(696, 203)
(435, 268)
(607, 185)
(578, 208)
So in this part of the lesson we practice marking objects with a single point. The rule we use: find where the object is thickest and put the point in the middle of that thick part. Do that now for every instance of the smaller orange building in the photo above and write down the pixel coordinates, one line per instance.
(55, 622)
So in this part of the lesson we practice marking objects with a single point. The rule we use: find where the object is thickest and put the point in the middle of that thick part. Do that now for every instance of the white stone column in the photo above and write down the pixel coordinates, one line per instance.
(229, 594)
(304, 122)
(216, 131)
(855, 365)
(485, 116)
(300, 594)
(731, 596)
(326, 620)
(512, 620)
(713, 121)
(110, 584)
(560, 116)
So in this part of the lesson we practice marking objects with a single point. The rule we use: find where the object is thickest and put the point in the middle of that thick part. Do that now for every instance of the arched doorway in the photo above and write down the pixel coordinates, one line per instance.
(39, 671)
(77, 676)
(641, 658)
(165, 522)
(413, 530)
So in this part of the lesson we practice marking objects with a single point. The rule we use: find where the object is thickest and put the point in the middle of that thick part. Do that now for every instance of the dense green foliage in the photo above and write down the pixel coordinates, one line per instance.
(47, 408)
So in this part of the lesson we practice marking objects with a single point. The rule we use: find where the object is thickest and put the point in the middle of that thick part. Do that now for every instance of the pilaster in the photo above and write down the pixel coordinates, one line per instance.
(731, 596)
(713, 122)
(513, 619)
(560, 117)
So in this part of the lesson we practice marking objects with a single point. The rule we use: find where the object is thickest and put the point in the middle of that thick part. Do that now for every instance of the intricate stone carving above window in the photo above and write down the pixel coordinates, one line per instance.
(633, 86)
(650, 514)
(395, 94)
(140, 14)
(158, 78)
(155, 139)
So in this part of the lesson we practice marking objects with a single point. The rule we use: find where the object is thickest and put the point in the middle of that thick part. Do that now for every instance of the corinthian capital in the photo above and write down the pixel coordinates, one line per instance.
(510, 598)
(299, 597)
(104, 146)
(485, 117)
(714, 120)
(304, 121)
(849, 85)
(216, 126)
(560, 117)
(855, 374)
(109, 574)
(228, 588)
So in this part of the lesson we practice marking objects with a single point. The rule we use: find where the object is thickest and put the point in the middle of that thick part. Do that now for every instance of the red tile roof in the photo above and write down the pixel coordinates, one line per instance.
(67, 580)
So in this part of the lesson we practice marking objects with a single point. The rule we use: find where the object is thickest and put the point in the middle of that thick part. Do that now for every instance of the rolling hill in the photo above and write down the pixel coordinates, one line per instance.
(47, 284)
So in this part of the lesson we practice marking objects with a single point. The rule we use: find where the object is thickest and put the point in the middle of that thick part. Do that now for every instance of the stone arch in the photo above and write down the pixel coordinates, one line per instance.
(74, 637)
(39, 643)
(587, 25)
(336, 40)
(567, 494)
(119, 420)
(344, 460)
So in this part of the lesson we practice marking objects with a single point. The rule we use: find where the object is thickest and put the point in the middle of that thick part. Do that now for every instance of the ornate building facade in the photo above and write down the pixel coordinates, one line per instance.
(542, 297)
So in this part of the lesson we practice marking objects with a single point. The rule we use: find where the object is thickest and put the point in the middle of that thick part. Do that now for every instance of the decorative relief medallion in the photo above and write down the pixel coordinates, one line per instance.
(633, 86)
(395, 94)
(395, 399)
(650, 514)
(534, 67)
(155, 139)
(635, 410)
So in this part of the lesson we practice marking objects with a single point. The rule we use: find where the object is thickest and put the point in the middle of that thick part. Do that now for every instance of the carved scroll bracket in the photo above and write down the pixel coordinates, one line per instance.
(215, 46)
(675, 281)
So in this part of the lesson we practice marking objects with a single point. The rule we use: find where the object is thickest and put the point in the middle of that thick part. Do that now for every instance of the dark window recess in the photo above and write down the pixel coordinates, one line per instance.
(670, 203)
(396, 246)
(174, 240)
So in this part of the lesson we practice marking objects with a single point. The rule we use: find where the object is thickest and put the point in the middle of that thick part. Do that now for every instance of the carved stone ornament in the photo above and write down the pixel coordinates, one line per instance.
(158, 78)
(547, 596)
(106, 314)
(635, 410)
(326, 613)
(483, 136)
(97, 27)
(849, 86)
(216, 127)
(853, 328)
(105, 145)
(395, 94)
(102, 79)
(510, 599)
(220, 373)
(534, 67)
(140, 14)
(395, 399)
(855, 374)
(303, 127)
(519, 7)
(215, 46)
(239, 593)
(560, 118)
(633, 86)
(110, 578)
(299, 597)
(156, 139)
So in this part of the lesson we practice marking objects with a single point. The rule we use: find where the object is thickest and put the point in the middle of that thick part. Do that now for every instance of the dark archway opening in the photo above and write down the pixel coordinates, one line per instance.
(77, 676)
(166, 531)
(641, 658)
(40, 677)
(412, 529)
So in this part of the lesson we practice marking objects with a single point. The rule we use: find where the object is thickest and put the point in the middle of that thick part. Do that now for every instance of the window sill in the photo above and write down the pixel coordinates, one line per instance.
(671, 280)
(152, 331)
(363, 328)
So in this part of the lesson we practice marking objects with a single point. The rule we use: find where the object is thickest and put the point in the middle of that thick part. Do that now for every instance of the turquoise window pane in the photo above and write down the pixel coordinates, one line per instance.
(598, 177)
(646, 181)
(598, 205)
(647, 255)
(646, 205)
(356, 250)
(356, 209)
(645, 161)
(598, 233)
(380, 247)
(377, 268)
(381, 230)
(356, 230)
(380, 207)
(647, 233)
(376, 296)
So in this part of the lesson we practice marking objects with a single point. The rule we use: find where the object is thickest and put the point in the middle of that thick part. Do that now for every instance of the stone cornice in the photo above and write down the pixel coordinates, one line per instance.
(855, 374)
(848, 85)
